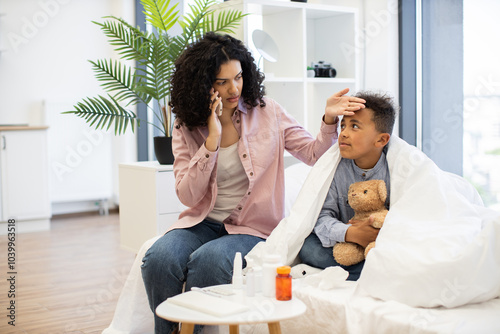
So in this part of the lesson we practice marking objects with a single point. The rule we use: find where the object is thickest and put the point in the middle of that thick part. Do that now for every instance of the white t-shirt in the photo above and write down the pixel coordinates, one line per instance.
(232, 182)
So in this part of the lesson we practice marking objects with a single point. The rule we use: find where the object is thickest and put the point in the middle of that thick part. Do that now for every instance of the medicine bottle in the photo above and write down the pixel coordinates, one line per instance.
(271, 262)
(283, 283)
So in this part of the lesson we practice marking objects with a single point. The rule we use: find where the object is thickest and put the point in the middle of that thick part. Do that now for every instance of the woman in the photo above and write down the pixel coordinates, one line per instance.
(228, 144)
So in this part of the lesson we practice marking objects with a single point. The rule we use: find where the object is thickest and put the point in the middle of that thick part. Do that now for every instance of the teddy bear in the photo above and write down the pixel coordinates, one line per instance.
(366, 198)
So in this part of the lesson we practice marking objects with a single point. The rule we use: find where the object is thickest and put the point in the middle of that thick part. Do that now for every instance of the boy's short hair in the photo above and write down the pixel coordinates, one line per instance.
(384, 111)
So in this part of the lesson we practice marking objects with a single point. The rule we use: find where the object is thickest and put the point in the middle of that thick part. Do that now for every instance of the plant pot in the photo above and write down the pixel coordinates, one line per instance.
(163, 150)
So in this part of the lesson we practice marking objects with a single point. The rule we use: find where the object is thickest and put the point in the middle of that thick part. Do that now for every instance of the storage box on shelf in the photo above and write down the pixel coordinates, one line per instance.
(305, 34)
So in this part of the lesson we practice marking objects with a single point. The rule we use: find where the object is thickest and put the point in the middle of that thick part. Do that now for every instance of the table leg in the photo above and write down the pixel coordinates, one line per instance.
(274, 328)
(187, 328)
(234, 329)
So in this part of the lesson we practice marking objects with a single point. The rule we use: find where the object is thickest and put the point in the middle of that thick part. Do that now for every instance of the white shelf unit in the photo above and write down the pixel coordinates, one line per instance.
(148, 202)
(304, 33)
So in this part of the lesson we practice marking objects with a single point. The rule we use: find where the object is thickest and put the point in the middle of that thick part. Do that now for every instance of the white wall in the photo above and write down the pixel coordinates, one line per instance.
(46, 46)
(381, 41)
(48, 43)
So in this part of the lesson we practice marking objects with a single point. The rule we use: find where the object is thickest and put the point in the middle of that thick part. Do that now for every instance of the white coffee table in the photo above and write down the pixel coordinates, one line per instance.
(261, 310)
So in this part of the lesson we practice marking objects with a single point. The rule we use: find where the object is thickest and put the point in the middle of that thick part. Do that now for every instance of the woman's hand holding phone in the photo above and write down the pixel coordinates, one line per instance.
(214, 125)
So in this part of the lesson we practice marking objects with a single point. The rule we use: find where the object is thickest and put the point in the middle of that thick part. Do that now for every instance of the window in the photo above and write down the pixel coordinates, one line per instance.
(450, 87)
(481, 115)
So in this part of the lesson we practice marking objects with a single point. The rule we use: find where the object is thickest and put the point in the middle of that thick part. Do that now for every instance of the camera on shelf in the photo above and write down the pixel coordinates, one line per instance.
(323, 70)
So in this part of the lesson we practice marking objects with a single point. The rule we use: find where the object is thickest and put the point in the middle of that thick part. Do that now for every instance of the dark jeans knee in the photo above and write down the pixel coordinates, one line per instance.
(315, 255)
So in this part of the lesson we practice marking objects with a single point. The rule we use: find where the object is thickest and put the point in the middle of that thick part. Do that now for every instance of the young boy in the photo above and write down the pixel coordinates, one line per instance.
(362, 145)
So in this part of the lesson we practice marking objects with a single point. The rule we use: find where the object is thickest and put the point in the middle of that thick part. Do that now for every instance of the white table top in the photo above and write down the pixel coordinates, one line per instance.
(262, 310)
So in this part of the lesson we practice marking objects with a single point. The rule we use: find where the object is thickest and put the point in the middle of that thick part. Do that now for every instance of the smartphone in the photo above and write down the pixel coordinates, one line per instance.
(220, 108)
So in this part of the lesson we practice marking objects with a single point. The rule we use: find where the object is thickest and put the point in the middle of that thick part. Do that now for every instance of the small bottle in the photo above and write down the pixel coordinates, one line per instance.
(283, 283)
(237, 271)
(271, 262)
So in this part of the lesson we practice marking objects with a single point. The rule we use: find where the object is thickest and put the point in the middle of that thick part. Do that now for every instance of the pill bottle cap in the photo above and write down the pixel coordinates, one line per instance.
(283, 270)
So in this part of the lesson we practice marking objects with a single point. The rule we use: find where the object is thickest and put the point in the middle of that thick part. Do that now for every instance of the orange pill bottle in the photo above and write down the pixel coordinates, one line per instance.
(283, 283)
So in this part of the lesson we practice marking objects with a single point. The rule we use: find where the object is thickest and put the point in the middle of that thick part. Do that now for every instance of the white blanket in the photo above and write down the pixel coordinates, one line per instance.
(439, 246)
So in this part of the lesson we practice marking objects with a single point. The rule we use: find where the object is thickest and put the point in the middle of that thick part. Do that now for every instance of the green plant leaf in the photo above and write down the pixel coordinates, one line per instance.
(129, 42)
(192, 22)
(160, 14)
(154, 77)
(104, 111)
(226, 21)
(119, 79)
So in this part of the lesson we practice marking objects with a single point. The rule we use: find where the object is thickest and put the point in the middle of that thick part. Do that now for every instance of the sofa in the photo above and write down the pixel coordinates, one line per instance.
(435, 269)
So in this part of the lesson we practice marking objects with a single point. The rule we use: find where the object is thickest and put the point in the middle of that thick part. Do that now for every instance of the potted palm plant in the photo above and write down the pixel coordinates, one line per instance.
(155, 54)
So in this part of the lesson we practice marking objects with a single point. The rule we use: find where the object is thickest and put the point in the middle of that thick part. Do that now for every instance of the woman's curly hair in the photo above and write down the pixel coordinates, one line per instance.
(195, 74)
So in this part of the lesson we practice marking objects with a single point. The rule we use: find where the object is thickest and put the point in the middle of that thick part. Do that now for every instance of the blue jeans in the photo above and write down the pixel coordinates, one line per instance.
(314, 254)
(198, 256)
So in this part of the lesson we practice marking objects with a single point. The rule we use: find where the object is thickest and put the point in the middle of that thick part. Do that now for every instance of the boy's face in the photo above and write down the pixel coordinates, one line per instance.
(359, 140)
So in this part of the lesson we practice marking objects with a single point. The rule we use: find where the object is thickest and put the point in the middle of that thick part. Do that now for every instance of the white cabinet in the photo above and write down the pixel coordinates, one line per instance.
(304, 33)
(24, 178)
(148, 203)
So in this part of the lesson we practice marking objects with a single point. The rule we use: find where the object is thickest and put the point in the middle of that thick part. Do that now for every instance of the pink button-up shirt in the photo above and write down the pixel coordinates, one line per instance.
(264, 135)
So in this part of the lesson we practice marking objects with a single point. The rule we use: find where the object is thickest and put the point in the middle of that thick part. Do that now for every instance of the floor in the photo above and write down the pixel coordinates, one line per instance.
(68, 279)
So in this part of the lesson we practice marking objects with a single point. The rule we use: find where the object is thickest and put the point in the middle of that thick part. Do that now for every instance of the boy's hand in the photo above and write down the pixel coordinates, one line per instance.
(340, 105)
(361, 231)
